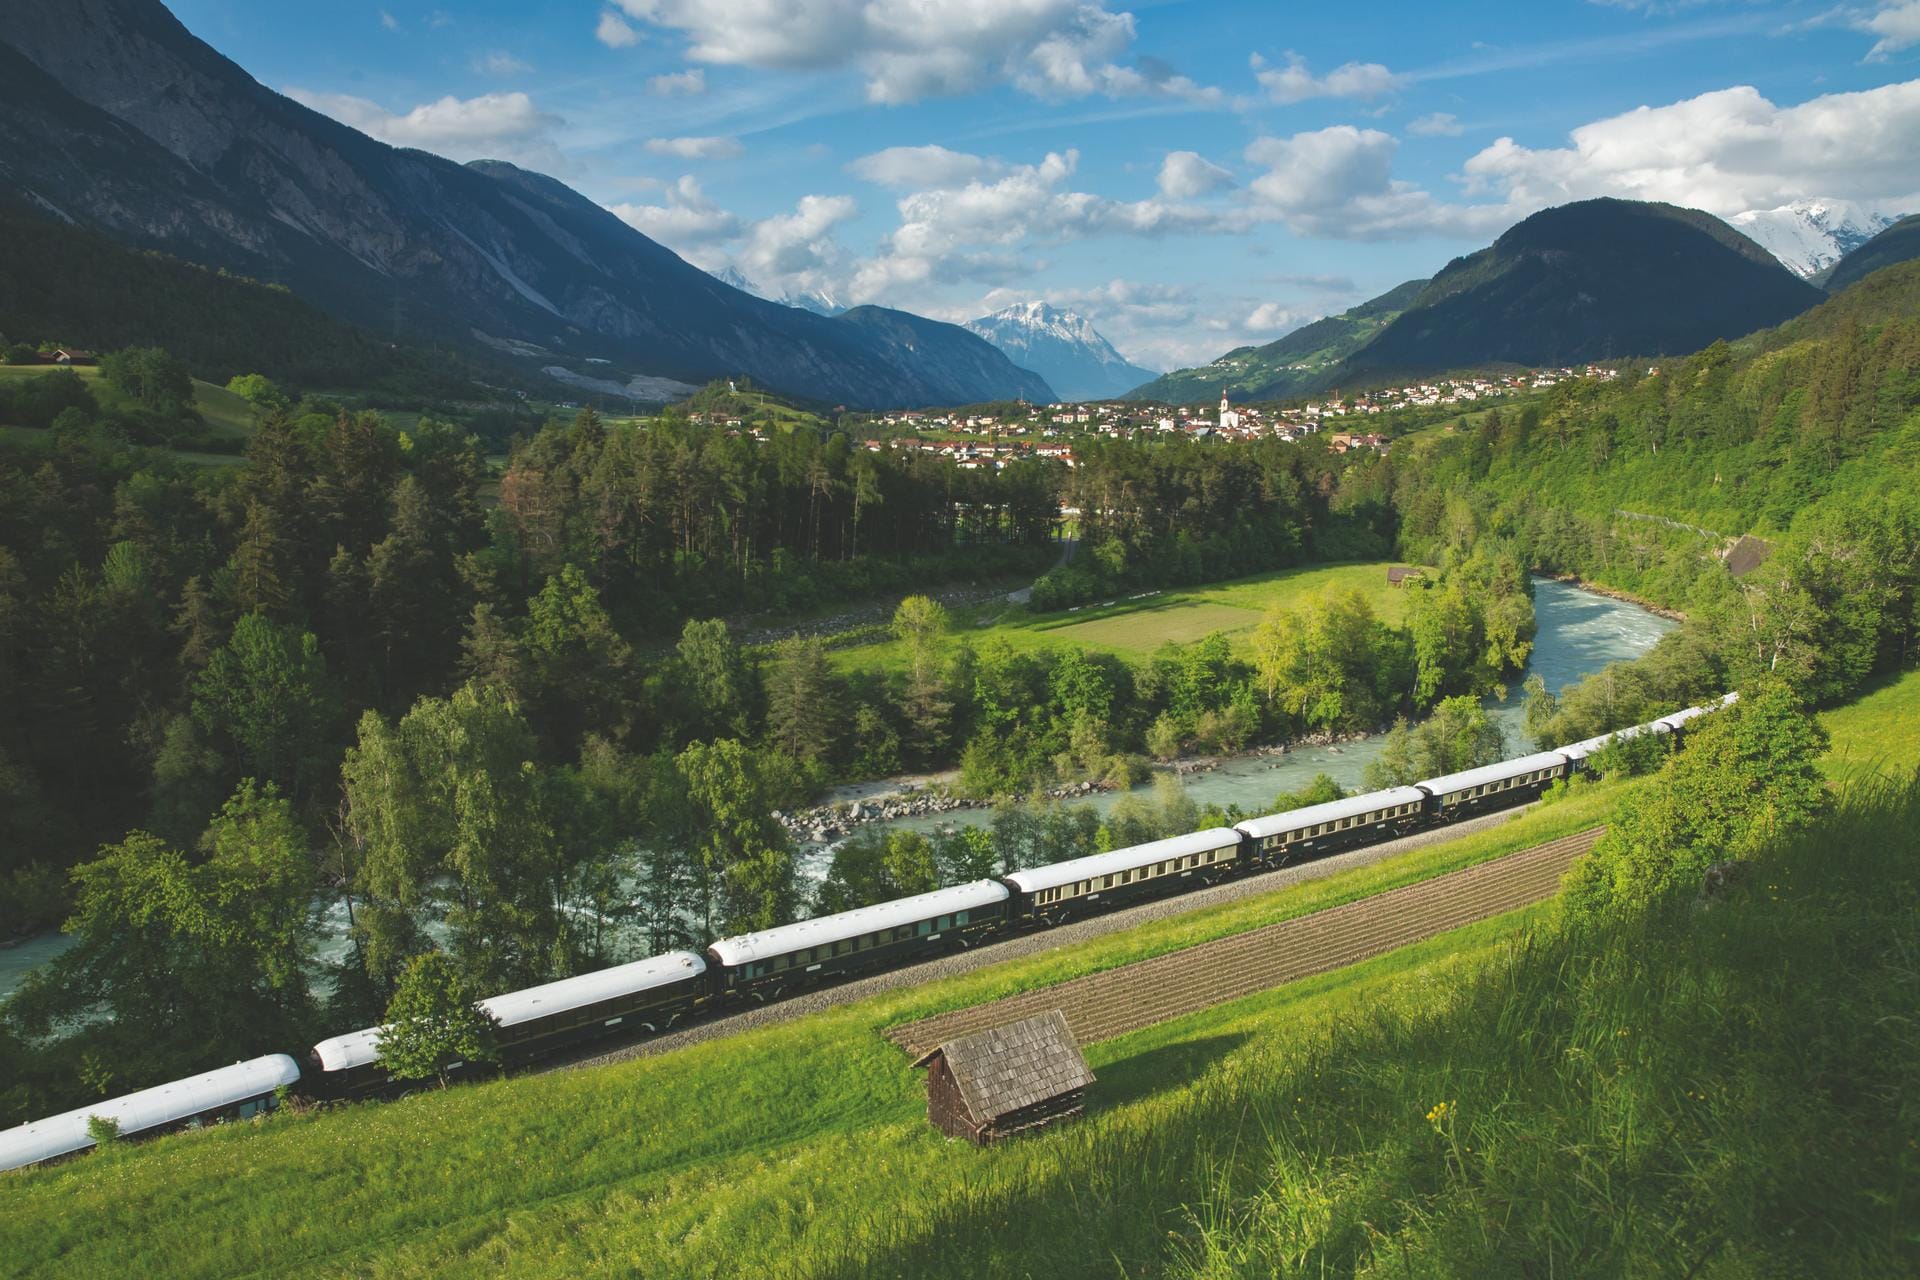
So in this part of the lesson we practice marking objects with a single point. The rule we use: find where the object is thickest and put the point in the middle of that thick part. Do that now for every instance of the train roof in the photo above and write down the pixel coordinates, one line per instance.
(748, 947)
(1449, 783)
(1679, 718)
(163, 1104)
(1332, 811)
(1034, 879)
(359, 1048)
(584, 989)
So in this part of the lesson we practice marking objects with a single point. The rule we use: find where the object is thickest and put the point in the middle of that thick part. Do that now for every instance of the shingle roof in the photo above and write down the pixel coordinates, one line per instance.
(1005, 1069)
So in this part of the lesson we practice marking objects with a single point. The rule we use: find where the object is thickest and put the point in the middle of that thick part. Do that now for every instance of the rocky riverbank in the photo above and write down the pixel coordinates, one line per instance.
(891, 800)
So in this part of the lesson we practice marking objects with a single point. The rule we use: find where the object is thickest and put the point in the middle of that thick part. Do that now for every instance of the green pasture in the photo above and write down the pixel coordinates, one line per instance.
(1878, 734)
(1135, 626)
(225, 412)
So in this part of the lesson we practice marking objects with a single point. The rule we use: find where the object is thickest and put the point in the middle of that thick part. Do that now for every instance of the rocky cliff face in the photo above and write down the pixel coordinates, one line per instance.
(167, 143)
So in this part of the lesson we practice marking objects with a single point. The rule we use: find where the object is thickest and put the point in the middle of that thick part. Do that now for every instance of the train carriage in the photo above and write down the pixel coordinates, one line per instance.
(644, 995)
(1050, 893)
(1493, 786)
(761, 965)
(227, 1093)
(1282, 838)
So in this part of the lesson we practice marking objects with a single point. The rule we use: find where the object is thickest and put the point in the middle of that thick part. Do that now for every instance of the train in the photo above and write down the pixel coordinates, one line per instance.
(651, 995)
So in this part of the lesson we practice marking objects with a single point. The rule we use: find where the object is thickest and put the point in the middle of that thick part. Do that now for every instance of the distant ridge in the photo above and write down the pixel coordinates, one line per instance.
(114, 116)
(1293, 365)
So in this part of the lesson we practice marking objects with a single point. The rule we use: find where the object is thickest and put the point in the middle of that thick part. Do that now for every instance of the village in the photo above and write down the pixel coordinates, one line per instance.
(980, 439)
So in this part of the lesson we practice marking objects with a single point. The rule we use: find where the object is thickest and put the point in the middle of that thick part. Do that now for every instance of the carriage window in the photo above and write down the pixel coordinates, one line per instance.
(959, 917)
(923, 928)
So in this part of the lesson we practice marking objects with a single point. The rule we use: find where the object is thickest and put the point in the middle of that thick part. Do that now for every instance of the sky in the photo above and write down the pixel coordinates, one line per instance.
(1192, 175)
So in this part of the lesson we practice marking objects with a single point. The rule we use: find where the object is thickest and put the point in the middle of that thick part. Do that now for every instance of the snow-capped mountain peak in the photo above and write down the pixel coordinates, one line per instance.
(1062, 347)
(818, 301)
(1810, 235)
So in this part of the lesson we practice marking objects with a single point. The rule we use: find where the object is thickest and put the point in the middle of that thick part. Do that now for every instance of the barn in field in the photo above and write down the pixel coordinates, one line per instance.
(993, 1084)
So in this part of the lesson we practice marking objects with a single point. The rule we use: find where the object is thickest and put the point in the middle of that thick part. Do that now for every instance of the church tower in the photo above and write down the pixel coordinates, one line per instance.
(1229, 417)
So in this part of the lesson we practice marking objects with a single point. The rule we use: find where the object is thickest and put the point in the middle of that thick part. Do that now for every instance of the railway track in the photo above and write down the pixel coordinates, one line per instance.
(955, 964)
(1103, 1005)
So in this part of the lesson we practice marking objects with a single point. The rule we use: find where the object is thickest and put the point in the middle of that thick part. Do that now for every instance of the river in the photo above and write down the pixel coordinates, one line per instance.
(1579, 632)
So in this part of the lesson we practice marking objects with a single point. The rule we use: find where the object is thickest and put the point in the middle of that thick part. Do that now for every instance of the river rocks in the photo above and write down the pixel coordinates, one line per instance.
(827, 823)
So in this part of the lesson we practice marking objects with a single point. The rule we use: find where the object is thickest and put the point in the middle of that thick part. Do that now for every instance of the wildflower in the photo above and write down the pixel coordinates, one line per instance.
(1439, 1115)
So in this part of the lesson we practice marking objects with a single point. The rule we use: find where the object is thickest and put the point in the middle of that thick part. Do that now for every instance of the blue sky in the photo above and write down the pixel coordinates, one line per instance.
(1191, 175)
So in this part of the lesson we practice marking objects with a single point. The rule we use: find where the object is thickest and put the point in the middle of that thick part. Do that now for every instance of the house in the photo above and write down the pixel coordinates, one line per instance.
(71, 356)
(990, 1085)
(1400, 575)
(1746, 554)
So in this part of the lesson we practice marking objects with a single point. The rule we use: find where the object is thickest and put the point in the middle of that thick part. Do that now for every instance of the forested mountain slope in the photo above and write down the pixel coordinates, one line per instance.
(165, 143)
(1595, 280)
(1898, 243)
(62, 283)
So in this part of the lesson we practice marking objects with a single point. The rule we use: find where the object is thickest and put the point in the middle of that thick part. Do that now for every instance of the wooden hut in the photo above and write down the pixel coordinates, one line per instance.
(995, 1083)
(1746, 554)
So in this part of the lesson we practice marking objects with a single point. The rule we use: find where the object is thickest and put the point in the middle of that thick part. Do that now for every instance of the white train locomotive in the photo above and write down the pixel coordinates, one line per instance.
(653, 994)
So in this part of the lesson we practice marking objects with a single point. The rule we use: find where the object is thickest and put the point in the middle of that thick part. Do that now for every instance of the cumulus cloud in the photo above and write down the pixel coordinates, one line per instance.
(1725, 152)
(1294, 82)
(1188, 175)
(1898, 26)
(981, 229)
(1271, 317)
(388, 21)
(614, 32)
(687, 83)
(696, 148)
(911, 49)
(1438, 125)
(796, 252)
(688, 222)
(497, 126)
(1338, 183)
(911, 168)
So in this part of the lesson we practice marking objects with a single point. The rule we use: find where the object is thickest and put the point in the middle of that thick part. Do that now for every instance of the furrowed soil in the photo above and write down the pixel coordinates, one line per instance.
(1103, 1005)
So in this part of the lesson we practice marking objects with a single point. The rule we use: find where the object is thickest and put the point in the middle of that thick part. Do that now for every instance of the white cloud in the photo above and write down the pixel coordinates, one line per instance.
(1187, 175)
(1898, 26)
(1338, 183)
(911, 49)
(495, 126)
(388, 21)
(796, 252)
(500, 63)
(691, 83)
(1438, 125)
(696, 148)
(1271, 317)
(910, 168)
(979, 230)
(1295, 83)
(688, 222)
(1725, 151)
(614, 32)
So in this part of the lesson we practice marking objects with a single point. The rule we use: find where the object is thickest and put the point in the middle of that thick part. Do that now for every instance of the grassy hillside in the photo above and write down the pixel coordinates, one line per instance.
(1658, 1095)
(1289, 366)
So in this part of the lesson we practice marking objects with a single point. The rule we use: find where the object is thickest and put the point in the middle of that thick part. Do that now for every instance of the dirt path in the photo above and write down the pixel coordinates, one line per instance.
(952, 965)
(1102, 1005)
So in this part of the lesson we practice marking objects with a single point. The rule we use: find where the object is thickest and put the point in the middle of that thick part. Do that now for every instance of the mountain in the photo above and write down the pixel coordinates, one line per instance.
(1061, 347)
(817, 301)
(1594, 280)
(1900, 242)
(114, 116)
(1810, 236)
(1293, 365)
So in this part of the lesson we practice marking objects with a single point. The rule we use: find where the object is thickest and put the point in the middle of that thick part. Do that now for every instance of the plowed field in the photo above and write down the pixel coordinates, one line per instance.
(1103, 1005)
